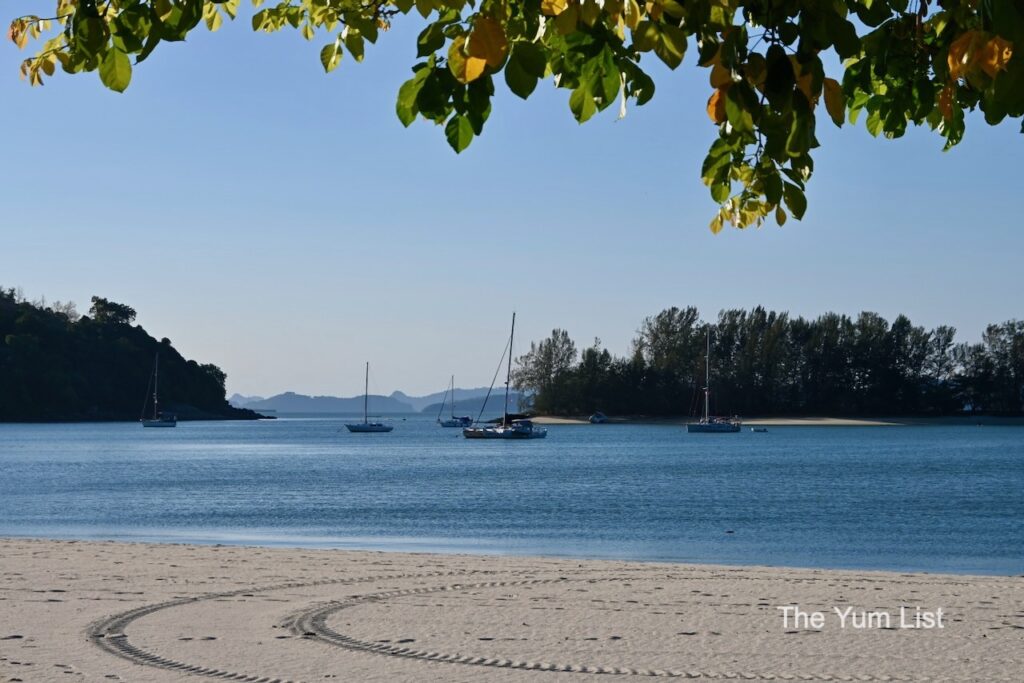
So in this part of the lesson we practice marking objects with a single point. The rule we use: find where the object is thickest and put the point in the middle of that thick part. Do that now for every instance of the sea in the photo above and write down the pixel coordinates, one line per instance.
(944, 499)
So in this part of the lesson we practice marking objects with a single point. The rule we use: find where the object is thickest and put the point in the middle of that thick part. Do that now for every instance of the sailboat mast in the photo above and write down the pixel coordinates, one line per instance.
(508, 375)
(707, 379)
(453, 397)
(366, 393)
(156, 382)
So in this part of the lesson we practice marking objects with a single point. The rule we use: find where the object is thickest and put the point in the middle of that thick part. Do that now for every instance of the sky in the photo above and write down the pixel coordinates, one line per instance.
(281, 223)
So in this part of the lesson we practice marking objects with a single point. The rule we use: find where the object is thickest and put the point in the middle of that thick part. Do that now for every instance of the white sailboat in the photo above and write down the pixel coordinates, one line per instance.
(158, 419)
(508, 429)
(453, 421)
(709, 424)
(366, 425)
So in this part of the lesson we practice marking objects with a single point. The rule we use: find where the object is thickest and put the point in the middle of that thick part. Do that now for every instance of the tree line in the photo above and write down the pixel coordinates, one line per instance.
(769, 363)
(57, 365)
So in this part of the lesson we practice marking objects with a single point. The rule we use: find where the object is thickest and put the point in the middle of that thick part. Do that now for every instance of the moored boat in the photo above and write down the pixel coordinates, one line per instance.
(159, 419)
(509, 428)
(709, 424)
(366, 425)
(453, 421)
(516, 429)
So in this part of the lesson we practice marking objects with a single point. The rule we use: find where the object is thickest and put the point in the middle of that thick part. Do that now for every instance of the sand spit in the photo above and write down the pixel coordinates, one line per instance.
(99, 611)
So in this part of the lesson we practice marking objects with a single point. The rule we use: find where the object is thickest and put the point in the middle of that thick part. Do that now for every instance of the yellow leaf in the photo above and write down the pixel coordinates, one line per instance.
(835, 102)
(960, 54)
(49, 64)
(946, 102)
(716, 224)
(553, 8)
(720, 76)
(632, 13)
(465, 68)
(994, 55)
(804, 80)
(487, 42)
(716, 106)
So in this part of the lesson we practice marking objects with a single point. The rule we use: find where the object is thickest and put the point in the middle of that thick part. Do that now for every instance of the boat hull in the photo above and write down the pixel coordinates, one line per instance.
(503, 433)
(160, 423)
(713, 427)
(456, 422)
(368, 427)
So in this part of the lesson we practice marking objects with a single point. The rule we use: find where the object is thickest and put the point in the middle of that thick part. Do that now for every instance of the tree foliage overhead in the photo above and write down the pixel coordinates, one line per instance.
(767, 363)
(57, 365)
(903, 62)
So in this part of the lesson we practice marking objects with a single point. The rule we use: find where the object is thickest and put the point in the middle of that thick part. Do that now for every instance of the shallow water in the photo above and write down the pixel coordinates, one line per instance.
(941, 499)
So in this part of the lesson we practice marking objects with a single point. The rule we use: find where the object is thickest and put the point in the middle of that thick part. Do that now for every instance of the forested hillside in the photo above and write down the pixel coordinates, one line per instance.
(57, 365)
(767, 363)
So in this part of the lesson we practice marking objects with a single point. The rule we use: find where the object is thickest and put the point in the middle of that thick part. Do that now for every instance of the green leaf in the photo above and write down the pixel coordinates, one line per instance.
(459, 132)
(780, 216)
(330, 56)
(581, 102)
(720, 191)
(115, 70)
(779, 79)
(645, 36)
(90, 35)
(430, 40)
(843, 35)
(795, 200)
(739, 118)
(406, 106)
(875, 123)
(520, 70)
(799, 140)
(671, 45)
(639, 86)
(354, 42)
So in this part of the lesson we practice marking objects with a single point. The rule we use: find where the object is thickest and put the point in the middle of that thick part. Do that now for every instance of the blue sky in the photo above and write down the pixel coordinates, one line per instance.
(281, 223)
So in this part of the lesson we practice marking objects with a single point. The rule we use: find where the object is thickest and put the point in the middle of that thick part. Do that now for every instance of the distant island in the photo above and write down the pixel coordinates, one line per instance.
(59, 366)
(468, 401)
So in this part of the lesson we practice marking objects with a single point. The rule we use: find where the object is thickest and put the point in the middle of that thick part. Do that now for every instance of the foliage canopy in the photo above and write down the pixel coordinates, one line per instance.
(58, 365)
(904, 62)
(768, 363)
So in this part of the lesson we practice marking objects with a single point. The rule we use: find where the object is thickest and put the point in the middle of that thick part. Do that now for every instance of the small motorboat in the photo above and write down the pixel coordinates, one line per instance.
(598, 418)
(759, 430)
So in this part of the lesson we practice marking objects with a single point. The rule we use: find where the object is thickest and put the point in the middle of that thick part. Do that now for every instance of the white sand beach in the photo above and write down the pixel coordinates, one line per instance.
(102, 611)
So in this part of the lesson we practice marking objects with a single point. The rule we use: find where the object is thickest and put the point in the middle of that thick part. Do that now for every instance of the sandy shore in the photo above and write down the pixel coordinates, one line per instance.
(98, 611)
(808, 421)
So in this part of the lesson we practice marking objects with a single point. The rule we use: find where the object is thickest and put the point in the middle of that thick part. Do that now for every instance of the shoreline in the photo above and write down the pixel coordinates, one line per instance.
(950, 421)
(390, 546)
(157, 612)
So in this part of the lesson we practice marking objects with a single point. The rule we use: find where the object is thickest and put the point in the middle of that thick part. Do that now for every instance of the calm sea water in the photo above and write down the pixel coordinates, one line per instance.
(947, 499)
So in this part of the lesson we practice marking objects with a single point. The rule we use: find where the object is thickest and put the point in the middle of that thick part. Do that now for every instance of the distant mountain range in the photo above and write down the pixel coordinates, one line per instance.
(472, 406)
(469, 401)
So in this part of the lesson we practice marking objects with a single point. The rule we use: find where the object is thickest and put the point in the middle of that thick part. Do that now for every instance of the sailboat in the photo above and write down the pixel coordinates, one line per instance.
(508, 429)
(158, 419)
(366, 425)
(462, 420)
(709, 424)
